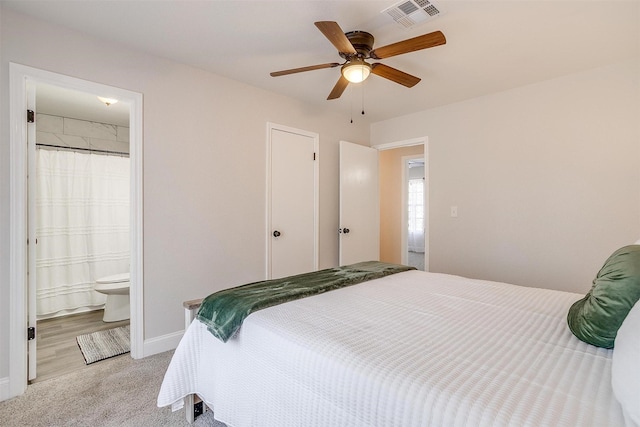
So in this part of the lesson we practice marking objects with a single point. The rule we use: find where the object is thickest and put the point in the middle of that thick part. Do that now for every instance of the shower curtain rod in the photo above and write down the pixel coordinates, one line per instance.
(82, 149)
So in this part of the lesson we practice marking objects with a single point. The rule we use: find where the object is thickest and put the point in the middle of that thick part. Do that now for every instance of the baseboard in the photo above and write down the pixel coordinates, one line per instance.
(161, 344)
(4, 389)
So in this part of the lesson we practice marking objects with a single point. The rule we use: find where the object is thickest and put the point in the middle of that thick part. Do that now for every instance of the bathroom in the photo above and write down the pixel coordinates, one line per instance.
(81, 212)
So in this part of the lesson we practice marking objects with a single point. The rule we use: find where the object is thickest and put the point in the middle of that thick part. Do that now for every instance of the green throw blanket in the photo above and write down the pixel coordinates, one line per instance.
(223, 312)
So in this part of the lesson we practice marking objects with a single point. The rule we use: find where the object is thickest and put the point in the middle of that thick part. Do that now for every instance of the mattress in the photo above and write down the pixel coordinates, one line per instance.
(410, 349)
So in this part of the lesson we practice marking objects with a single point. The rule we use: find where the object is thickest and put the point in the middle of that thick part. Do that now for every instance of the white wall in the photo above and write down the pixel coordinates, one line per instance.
(204, 166)
(546, 178)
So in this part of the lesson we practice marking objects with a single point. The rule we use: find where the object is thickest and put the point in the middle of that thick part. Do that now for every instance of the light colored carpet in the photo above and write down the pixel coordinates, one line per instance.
(102, 345)
(118, 392)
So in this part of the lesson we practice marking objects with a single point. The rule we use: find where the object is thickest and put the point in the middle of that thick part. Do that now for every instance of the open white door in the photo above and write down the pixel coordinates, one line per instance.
(32, 239)
(359, 204)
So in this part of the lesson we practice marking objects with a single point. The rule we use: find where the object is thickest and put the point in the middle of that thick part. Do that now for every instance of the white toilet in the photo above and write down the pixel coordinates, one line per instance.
(116, 288)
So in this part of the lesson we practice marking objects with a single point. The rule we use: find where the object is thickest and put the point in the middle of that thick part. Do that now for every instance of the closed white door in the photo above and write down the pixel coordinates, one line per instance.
(359, 204)
(293, 222)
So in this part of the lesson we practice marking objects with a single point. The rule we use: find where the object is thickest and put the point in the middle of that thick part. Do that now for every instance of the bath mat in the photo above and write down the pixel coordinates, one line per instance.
(104, 344)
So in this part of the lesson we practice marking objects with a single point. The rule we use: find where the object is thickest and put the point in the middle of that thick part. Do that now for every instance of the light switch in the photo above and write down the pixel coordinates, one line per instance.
(454, 212)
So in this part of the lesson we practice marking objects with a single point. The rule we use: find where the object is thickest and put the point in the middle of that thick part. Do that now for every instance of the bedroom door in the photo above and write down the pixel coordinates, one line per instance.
(359, 231)
(292, 240)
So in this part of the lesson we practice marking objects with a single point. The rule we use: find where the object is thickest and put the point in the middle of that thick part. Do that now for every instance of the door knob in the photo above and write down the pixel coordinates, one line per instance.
(276, 233)
(345, 230)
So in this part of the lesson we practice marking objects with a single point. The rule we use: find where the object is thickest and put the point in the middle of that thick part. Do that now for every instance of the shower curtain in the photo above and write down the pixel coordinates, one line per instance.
(82, 227)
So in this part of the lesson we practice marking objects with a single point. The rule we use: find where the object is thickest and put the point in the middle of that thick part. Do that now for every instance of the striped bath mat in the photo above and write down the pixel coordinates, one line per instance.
(104, 344)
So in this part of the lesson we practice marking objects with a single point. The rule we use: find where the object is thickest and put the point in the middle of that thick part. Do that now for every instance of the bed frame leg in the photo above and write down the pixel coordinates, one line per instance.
(189, 408)
(194, 407)
(190, 310)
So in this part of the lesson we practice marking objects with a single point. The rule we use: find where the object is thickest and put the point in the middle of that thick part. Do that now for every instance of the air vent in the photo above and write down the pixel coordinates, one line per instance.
(410, 13)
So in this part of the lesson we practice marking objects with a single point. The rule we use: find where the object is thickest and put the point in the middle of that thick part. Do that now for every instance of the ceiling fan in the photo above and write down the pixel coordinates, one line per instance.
(356, 47)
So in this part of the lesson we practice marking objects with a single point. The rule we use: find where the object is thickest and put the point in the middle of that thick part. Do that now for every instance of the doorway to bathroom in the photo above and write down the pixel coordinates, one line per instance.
(23, 219)
(81, 216)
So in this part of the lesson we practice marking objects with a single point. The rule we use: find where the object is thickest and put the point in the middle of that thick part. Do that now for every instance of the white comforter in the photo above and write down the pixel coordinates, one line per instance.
(410, 349)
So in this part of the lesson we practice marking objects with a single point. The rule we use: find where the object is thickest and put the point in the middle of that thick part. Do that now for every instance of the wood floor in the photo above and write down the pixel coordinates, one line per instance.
(57, 350)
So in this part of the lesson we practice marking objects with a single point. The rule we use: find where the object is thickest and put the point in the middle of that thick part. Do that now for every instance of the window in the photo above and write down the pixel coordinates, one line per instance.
(416, 205)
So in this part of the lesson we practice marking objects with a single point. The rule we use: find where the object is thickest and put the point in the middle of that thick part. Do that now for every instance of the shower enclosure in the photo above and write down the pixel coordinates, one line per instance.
(82, 227)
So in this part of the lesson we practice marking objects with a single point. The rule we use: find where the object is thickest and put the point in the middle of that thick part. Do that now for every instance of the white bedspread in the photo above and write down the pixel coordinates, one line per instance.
(410, 349)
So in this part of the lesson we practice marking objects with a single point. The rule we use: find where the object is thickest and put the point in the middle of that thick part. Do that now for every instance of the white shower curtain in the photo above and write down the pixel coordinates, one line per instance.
(82, 227)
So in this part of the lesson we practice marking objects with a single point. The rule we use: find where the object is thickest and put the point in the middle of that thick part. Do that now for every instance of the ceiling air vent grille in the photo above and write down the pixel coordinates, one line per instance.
(409, 13)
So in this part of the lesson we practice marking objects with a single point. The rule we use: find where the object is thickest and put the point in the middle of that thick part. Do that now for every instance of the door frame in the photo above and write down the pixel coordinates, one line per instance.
(423, 140)
(19, 75)
(316, 192)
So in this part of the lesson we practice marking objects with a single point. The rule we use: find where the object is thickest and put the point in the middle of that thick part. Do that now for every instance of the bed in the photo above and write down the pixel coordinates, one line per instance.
(408, 349)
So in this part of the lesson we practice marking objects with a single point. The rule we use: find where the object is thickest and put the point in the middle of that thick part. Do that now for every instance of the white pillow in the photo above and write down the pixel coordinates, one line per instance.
(625, 365)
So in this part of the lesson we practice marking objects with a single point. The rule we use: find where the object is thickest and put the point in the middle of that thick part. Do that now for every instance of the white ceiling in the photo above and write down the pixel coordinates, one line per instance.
(63, 102)
(491, 45)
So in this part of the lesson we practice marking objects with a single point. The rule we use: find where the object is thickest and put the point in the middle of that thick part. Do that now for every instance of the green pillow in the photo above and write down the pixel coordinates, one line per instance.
(595, 319)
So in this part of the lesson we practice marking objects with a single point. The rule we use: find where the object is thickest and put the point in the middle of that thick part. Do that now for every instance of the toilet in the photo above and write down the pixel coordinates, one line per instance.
(116, 288)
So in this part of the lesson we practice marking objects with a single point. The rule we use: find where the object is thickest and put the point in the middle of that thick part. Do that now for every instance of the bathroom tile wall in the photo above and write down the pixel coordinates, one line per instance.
(74, 133)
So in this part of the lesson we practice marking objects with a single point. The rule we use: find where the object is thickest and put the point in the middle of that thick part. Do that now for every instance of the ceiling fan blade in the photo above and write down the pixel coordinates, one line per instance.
(394, 75)
(340, 86)
(410, 45)
(302, 69)
(334, 33)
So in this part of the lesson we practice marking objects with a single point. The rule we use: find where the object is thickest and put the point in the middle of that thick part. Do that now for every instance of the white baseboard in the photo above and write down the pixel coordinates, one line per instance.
(4, 389)
(161, 344)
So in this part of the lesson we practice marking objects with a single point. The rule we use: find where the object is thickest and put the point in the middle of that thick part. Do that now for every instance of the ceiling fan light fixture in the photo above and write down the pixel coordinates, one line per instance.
(356, 46)
(107, 101)
(356, 71)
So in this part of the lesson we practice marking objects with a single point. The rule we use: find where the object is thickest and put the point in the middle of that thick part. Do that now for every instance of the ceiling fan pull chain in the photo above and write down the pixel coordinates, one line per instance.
(363, 98)
(351, 108)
